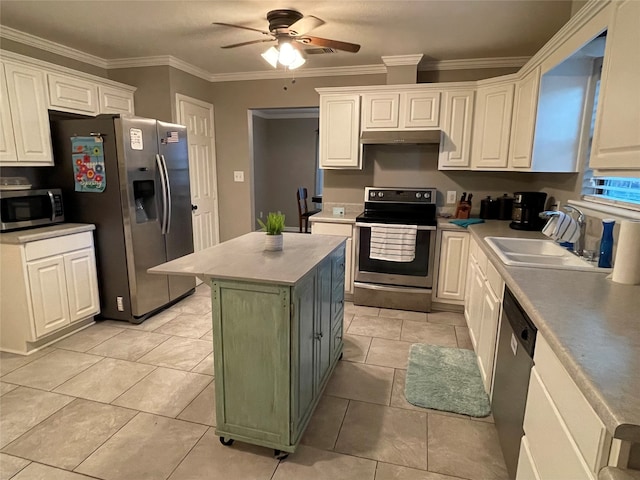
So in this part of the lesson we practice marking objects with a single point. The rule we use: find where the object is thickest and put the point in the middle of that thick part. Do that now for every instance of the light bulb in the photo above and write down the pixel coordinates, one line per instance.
(298, 61)
(271, 56)
(287, 54)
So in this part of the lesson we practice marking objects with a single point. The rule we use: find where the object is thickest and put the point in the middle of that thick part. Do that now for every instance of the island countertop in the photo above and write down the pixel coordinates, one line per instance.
(243, 258)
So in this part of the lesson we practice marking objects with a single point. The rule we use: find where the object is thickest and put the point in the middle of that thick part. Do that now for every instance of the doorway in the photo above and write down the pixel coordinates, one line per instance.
(284, 147)
(198, 117)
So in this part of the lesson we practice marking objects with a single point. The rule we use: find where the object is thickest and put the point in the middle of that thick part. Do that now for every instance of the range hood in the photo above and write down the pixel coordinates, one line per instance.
(392, 137)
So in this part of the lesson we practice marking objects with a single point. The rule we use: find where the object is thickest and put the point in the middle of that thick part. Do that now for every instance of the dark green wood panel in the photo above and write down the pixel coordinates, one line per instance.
(323, 322)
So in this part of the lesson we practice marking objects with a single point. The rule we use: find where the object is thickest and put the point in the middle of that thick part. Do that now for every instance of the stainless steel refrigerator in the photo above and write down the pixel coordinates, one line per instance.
(143, 215)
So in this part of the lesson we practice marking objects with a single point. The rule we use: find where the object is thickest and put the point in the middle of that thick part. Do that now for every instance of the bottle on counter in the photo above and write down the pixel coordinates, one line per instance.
(606, 243)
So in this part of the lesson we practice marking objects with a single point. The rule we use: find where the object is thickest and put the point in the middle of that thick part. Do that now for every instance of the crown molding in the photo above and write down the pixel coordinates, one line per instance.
(307, 72)
(473, 63)
(286, 113)
(52, 47)
(159, 61)
(400, 60)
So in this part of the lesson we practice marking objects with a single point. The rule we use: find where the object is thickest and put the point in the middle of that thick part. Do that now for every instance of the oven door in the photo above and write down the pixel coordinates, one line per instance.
(418, 273)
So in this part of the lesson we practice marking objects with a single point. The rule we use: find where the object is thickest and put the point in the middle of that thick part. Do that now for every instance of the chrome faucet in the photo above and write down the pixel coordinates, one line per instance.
(578, 246)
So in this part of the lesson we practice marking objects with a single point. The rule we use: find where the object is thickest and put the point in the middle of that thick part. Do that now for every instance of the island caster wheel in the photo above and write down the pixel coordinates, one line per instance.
(280, 455)
(228, 443)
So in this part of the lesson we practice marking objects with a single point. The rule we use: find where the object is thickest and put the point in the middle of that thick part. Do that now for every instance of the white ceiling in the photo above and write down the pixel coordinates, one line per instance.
(441, 30)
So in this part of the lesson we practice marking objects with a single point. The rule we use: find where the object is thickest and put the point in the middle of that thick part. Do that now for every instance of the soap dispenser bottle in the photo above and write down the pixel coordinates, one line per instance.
(606, 243)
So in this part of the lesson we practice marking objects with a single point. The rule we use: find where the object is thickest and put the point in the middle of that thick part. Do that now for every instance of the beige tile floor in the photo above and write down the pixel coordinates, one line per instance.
(118, 401)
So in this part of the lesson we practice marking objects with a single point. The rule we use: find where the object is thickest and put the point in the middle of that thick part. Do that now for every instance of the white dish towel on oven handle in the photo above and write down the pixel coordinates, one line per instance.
(393, 243)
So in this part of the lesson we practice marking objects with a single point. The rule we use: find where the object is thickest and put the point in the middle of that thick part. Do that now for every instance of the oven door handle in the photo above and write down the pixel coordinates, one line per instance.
(420, 227)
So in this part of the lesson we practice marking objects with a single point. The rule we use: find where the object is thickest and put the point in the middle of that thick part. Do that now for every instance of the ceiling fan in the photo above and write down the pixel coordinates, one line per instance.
(289, 29)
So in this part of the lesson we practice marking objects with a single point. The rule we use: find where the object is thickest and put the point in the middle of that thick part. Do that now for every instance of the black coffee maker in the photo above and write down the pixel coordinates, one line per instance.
(526, 209)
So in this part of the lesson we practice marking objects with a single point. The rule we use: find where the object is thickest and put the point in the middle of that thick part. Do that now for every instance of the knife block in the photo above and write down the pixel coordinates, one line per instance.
(463, 210)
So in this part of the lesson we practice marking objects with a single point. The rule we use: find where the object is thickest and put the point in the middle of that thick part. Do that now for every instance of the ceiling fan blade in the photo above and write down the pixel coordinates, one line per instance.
(242, 27)
(249, 43)
(325, 42)
(304, 25)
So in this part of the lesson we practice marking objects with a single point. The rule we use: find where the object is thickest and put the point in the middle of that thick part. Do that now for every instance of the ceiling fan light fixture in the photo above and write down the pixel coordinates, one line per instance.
(271, 56)
(298, 61)
(287, 54)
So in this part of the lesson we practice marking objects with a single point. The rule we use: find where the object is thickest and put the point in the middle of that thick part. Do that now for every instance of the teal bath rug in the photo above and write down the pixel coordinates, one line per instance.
(446, 379)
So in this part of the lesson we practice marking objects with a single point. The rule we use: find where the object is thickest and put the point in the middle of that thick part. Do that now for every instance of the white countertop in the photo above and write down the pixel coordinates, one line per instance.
(592, 325)
(243, 258)
(42, 233)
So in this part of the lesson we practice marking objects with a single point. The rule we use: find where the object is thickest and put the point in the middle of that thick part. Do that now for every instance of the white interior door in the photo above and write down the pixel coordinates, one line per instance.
(198, 117)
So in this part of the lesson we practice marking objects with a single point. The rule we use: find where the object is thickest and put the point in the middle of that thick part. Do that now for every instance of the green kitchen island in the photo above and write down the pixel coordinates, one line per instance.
(277, 331)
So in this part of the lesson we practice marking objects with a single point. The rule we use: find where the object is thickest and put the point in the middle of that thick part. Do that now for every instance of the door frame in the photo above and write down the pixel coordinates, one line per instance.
(180, 98)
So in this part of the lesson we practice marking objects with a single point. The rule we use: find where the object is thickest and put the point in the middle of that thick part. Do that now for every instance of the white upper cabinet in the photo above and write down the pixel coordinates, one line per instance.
(71, 94)
(7, 140)
(408, 110)
(25, 88)
(492, 126)
(457, 121)
(115, 100)
(525, 107)
(616, 141)
(420, 110)
(340, 131)
(380, 111)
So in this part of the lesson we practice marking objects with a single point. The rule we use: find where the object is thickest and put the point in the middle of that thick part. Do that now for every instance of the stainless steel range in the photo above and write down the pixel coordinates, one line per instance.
(402, 282)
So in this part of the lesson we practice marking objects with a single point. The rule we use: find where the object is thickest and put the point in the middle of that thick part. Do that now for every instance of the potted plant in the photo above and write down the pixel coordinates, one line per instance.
(274, 227)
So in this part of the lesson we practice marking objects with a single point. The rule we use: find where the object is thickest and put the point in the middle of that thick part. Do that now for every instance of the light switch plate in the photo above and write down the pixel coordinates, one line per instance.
(338, 211)
(451, 196)
(238, 176)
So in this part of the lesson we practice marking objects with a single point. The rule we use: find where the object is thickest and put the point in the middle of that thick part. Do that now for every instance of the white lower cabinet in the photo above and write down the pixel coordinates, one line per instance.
(564, 436)
(46, 287)
(483, 305)
(346, 230)
(452, 268)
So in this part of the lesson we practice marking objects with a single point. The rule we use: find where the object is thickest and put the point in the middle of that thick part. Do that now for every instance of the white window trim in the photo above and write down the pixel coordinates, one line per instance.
(602, 210)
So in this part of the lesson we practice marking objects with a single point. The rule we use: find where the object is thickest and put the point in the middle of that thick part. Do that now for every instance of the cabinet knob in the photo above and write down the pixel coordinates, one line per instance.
(318, 336)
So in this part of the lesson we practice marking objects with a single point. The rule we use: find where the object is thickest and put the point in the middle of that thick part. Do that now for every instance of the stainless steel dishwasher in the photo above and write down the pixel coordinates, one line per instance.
(514, 359)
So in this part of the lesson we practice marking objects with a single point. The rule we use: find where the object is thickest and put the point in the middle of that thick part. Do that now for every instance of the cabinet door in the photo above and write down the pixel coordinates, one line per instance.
(7, 141)
(48, 294)
(526, 466)
(303, 328)
(492, 126)
(420, 110)
(616, 140)
(455, 148)
(323, 330)
(452, 271)
(115, 100)
(71, 94)
(488, 332)
(82, 286)
(26, 90)
(340, 131)
(525, 107)
(380, 110)
(473, 304)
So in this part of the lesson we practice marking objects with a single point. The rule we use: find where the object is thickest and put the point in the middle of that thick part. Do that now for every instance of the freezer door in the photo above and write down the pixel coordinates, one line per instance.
(174, 154)
(143, 211)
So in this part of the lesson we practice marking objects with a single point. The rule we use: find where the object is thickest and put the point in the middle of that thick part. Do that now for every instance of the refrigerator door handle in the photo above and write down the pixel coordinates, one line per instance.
(163, 224)
(166, 176)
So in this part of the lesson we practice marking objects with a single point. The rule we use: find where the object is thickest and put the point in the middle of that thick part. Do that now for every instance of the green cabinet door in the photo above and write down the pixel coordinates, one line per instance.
(302, 351)
(323, 324)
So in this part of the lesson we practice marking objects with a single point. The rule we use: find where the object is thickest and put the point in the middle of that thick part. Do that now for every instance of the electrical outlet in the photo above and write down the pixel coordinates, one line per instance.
(452, 196)
(260, 215)
(338, 211)
(119, 303)
(238, 176)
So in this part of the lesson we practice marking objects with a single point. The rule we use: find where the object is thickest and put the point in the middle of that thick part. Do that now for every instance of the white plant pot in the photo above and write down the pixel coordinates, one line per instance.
(273, 243)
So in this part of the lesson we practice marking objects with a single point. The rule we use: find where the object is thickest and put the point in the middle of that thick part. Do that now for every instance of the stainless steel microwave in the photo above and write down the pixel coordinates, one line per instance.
(30, 208)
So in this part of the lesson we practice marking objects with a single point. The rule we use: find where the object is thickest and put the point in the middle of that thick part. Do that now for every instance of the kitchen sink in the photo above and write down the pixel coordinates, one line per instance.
(528, 252)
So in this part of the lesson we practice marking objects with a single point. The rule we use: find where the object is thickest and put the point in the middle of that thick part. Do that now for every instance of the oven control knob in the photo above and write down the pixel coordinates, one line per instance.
(380, 194)
(418, 195)
(372, 194)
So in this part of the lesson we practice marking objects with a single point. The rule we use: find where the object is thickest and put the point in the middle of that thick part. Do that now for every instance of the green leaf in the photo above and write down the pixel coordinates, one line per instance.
(274, 224)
